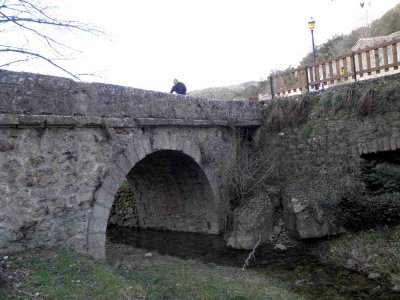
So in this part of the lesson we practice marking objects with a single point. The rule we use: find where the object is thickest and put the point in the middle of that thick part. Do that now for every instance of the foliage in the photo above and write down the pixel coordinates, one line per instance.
(306, 132)
(288, 112)
(380, 181)
(330, 100)
(369, 211)
(372, 201)
(369, 98)
(388, 23)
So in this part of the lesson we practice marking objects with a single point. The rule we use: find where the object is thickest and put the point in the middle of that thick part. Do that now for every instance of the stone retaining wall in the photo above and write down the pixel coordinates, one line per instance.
(326, 151)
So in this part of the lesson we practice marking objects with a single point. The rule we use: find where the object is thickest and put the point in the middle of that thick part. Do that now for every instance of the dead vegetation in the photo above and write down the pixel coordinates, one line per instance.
(249, 171)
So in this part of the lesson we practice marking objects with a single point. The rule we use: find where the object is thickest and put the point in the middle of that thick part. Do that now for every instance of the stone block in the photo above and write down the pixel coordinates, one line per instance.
(146, 145)
(172, 141)
(97, 245)
(110, 185)
(131, 154)
(100, 213)
(104, 198)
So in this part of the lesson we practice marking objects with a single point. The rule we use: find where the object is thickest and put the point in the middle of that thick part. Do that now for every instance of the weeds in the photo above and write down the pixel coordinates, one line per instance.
(288, 112)
(248, 172)
(363, 98)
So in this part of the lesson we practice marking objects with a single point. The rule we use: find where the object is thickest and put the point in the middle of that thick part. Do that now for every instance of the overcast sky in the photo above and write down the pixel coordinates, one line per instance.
(203, 43)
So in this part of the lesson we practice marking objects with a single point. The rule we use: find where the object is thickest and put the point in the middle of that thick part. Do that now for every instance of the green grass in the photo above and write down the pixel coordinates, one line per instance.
(374, 250)
(66, 275)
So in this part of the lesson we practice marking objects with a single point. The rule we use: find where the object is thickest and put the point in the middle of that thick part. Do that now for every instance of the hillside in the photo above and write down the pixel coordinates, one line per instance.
(338, 44)
(242, 91)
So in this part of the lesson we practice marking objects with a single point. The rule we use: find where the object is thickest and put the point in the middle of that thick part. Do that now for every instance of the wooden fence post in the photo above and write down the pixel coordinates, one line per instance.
(307, 80)
(353, 62)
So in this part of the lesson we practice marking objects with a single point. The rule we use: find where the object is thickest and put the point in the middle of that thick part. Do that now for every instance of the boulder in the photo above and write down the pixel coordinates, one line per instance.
(253, 219)
(304, 221)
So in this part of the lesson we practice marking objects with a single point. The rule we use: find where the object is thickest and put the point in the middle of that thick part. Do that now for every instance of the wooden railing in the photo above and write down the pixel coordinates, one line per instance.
(358, 65)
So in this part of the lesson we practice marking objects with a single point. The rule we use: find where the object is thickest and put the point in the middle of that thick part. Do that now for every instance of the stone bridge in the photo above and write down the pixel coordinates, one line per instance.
(66, 147)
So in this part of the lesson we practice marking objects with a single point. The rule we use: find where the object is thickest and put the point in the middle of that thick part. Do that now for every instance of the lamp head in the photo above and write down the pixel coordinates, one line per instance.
(311, 24)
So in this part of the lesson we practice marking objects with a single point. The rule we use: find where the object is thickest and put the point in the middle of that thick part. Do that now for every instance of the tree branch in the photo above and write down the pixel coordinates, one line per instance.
(50, 61)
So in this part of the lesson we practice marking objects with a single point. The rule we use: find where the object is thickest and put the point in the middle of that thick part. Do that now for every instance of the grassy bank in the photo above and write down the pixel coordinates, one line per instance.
(373, 250)
(66, 275)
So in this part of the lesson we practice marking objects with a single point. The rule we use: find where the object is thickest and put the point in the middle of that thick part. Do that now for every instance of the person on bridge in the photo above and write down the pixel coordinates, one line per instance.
(178, 88)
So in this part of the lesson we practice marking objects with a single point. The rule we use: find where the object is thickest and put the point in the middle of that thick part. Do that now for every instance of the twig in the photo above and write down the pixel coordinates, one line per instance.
(252, 253)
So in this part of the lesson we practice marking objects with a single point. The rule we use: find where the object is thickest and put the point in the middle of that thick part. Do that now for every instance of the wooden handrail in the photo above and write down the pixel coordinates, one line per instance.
(306, 76)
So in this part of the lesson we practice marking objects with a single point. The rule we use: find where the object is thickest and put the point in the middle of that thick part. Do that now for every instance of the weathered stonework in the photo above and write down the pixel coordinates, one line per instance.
(124, 210)
(324, 154)
(66, 147)
(253, 221)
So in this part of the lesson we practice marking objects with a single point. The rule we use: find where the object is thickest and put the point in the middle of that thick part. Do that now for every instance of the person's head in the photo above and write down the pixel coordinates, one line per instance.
(175, 81)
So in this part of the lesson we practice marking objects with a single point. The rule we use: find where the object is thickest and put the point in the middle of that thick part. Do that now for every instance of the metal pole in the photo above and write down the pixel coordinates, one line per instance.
(272, 87)
(313, 45)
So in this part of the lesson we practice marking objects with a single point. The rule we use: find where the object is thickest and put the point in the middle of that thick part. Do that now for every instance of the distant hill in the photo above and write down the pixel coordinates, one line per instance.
(337, 45)
(243, 91)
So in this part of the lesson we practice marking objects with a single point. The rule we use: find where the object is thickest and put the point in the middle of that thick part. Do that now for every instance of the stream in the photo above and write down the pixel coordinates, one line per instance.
(303, 272)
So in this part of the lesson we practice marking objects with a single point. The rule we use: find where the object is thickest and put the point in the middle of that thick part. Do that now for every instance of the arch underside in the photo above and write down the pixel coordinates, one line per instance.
(172, 193)
(172, 190)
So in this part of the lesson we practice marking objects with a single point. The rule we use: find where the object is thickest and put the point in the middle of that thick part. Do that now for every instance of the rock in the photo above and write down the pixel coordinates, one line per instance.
(5, 145)
(280, 247)
(277, 230)
(148, 255)
(374, 275)
(252, 219)
(352, 264)
(304, 221)
(396, 288)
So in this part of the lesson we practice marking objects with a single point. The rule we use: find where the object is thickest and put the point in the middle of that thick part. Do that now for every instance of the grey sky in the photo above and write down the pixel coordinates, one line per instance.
(203, 43)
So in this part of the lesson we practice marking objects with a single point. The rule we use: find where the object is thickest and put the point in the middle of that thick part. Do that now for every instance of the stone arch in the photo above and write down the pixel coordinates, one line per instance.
(135, 152)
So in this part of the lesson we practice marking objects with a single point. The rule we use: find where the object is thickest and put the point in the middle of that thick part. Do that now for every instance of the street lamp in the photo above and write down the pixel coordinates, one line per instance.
(311, 25)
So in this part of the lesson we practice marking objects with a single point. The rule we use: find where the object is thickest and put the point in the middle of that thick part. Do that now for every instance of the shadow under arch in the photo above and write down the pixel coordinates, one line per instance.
(172, 192)
(172, 189)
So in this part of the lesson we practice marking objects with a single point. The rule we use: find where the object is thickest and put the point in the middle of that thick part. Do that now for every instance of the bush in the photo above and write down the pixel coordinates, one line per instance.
(288, 112)
(373, 200)
(249, 172)
(368, 211)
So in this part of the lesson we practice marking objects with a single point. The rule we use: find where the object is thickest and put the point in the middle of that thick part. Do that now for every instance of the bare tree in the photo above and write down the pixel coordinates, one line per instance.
(249, 170)
(30, 31)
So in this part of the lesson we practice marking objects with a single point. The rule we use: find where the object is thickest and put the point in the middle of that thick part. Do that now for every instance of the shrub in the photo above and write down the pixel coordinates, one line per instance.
(372, 200)
(249, 171)
(288, 112)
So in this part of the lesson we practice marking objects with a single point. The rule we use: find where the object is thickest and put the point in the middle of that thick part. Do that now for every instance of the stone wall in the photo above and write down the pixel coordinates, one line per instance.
(124, 210)
(323, 145)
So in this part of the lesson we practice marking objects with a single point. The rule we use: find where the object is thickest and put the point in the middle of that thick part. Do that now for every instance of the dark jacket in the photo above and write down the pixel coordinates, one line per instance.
(179, 88)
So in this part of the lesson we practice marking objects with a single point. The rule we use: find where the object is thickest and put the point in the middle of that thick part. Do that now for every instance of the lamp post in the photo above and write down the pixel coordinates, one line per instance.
(311, 25)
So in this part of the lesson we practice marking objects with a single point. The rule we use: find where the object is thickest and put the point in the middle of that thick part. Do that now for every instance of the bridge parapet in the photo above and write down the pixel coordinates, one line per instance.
(28, 99)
